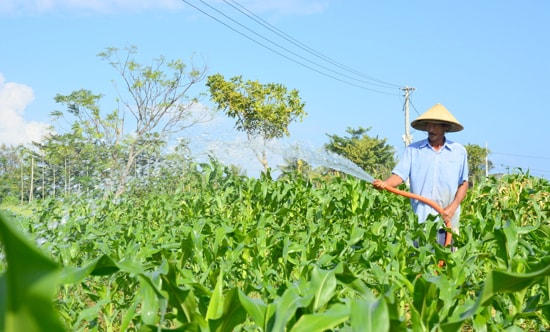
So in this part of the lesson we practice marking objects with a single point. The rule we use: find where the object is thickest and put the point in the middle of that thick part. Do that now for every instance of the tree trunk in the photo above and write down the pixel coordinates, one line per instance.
(22, 183)
(31, 185)
(43, 179)
(66, 179)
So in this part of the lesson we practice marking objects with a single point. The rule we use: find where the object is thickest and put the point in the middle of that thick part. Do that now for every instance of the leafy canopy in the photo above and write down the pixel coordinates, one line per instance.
(260, 110)
(264, 110)
(154, 103)
(372, 154)
(477, 162)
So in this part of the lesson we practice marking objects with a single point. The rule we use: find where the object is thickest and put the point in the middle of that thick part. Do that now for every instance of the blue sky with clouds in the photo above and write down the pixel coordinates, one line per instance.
(488, 62)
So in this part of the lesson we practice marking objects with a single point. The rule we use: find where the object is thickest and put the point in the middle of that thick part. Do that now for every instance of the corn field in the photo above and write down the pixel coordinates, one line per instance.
(224, 252)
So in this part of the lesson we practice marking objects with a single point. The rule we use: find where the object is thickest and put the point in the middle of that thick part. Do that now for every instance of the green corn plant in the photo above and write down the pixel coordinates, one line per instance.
(28, 285)
(229, 252)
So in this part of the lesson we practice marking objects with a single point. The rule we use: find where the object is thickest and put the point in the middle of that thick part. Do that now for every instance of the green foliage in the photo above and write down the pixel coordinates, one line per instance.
(373, 155)
(262, 111)
(154, 104)
(477, 162)
(28, 285)
(218, 251)
(10, 163)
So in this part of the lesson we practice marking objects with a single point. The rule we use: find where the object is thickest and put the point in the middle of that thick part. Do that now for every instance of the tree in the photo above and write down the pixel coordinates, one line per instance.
(260, 110)
(295, 168)
(373, 155)
(477, 166)
(155, 105)
(72, 162)
(10, 173)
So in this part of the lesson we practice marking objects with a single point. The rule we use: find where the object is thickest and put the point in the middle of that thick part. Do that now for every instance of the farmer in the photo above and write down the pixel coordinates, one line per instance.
(436, 168)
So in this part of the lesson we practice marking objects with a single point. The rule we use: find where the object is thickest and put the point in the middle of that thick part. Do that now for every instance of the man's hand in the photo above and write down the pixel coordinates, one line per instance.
(448, 213)
(379, 184)
(392, 181)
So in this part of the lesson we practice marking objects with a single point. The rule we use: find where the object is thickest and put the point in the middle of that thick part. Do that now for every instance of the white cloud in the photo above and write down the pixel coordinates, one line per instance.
(14, 129)
(34, 7)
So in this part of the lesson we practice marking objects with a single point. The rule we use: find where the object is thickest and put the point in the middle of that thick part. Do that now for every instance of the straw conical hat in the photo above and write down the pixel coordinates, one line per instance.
(437, 113)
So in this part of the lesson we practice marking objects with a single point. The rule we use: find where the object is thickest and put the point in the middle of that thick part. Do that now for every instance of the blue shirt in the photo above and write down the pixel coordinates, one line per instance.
(433, 174)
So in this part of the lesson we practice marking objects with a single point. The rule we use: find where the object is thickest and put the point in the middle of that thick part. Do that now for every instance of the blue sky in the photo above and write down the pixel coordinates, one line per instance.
(488, 62)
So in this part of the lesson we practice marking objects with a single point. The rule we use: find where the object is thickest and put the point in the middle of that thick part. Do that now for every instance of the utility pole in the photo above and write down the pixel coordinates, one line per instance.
(407, 138)
(486, 159)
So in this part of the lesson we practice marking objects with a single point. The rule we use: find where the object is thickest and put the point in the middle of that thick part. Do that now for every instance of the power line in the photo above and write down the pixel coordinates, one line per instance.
(414, 107)
(283, 48)
(521, 156)
(531, 170)
(303, 46)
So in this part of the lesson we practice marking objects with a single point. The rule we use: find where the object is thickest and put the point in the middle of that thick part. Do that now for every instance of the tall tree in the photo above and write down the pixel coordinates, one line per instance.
(10, 173)
(155, 104)
(478, 163)
(69, 162)
(260, 110)
(372, 154)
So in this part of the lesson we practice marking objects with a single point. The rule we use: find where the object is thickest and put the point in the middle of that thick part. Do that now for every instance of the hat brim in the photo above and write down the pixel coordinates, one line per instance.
(422, 124)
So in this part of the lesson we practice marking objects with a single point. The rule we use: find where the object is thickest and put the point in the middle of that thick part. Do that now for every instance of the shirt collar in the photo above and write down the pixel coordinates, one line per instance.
(426, 144)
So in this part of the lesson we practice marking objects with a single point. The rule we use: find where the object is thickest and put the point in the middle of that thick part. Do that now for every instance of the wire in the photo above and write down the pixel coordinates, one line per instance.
(521, 156)
(414, 107)
(532, 171)
(308, 49)
(279, 53)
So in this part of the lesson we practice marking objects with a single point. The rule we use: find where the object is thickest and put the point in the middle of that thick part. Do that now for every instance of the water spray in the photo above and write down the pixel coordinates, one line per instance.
(339, 163)
(320, 157)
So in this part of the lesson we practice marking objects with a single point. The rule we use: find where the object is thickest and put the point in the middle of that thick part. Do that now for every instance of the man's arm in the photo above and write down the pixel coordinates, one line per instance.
(450, 210)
